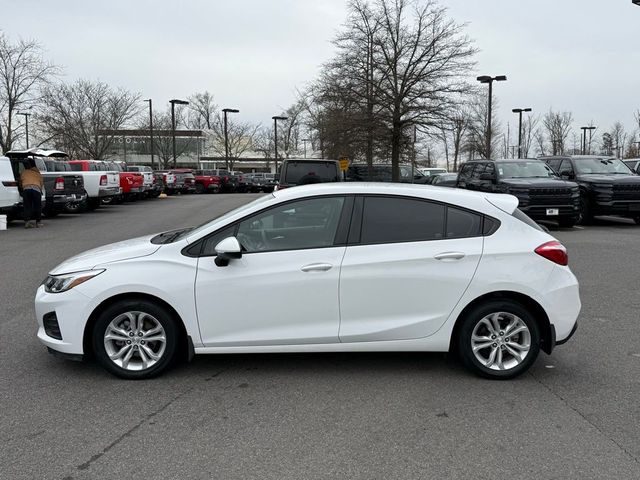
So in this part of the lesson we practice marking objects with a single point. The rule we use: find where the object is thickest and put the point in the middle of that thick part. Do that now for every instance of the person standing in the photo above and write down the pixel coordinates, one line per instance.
(32, 187)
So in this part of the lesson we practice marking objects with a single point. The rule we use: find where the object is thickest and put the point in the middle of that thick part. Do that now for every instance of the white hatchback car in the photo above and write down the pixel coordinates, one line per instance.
(322, 268)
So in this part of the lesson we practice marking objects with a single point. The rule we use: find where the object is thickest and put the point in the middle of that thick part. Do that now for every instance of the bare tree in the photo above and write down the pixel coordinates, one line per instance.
(163, 140)
(202, 111)
(241, 136)
(478, 126)
(558, 127)
(23, 73)
(618, 139)
(73, 115)
(540, 141)
(529, 127)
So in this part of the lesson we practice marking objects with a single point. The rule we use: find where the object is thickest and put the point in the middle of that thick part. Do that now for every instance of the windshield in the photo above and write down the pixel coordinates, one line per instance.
(533, 169)
(175, 235)
(608, 166)
(321, 171)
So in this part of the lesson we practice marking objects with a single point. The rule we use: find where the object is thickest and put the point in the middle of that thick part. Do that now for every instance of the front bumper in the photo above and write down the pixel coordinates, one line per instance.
(70, 310)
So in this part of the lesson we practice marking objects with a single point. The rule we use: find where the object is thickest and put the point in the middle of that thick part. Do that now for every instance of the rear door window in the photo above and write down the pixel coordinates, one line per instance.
(463, 223)
(466, 172)
(310, 172)
(396, 220)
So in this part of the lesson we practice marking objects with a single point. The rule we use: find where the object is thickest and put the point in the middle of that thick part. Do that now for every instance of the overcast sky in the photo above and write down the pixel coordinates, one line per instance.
(581, 56)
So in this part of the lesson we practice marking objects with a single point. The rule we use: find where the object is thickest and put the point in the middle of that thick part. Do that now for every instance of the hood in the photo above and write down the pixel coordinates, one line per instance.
(536, 182)
(613, 179)
(114, 252)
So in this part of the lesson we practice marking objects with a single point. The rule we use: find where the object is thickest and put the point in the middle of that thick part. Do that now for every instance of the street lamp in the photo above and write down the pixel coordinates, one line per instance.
(304, 141)
(173, 103)
(275, 134)
(584, 138)
(26, 124)
(488, 79)
(519, 111)
(226, 136)
(151, 129)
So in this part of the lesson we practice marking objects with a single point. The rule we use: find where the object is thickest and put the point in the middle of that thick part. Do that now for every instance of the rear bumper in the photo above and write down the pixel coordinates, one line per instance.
(71, 197)
(108, 191)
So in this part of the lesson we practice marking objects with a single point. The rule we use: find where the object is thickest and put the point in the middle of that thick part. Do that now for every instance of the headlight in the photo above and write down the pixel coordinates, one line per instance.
(62, 283)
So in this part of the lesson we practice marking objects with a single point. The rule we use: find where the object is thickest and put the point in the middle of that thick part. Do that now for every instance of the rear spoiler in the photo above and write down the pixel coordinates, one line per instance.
(506, 203)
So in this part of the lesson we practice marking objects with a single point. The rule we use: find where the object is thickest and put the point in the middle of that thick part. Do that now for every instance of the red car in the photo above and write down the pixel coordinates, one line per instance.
(206, 183)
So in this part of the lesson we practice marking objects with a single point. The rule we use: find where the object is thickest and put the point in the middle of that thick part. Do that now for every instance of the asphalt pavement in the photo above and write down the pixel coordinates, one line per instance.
(576, 414)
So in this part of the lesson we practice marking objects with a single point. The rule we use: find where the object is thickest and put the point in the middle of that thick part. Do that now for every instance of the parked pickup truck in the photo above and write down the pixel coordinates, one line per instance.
(64, 189)
(166, 180)
(10, 200)
(206, 183)
(131, 183)
(148, 188)
(100, 182)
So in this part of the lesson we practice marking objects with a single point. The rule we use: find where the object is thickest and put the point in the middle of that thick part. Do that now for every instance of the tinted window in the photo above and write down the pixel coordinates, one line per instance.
(310, 172)
(566, 166)
(308, 223)
(554, 163)
(475, 176)
(465, 172)
(392, 220)
(76, 167)
(462, 223)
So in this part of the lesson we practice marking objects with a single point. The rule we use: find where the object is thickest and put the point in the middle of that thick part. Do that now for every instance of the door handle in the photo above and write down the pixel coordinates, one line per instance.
(316, 267)
(449, 256)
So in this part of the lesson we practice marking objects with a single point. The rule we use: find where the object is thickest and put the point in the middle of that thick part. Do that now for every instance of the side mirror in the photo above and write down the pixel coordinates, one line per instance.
(228, 249)
(487, 177)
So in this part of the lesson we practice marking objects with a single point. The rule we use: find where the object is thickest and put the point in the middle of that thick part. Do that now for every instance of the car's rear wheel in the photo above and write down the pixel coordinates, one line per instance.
(199, 188)
(135, 339)
(499, 339)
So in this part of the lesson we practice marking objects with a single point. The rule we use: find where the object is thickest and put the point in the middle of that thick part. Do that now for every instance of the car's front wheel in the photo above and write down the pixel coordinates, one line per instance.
(135, 339)
(499, 339)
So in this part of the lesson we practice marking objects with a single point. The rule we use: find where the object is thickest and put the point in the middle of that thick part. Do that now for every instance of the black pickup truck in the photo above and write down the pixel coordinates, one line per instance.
(541, 194)
(64, 189)
(607, 185)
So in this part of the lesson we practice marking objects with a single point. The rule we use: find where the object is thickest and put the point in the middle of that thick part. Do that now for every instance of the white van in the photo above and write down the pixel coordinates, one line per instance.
(10, 200)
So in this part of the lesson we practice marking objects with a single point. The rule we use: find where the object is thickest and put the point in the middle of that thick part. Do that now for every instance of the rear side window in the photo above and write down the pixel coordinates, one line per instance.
(76, 167)
(478, 171)
(310, 172)
(463, 223)
(395, 220)
(554, 163)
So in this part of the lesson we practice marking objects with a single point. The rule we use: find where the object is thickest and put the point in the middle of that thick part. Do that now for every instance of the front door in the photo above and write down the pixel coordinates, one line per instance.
(284, 289)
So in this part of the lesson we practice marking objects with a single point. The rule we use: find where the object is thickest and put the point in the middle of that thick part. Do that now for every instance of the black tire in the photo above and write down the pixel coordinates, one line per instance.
(637, 220)
(73, 207)
(586, 213)
(567, 222)
(474, 317)
(199, 188)
(158, 313)
(93, 203)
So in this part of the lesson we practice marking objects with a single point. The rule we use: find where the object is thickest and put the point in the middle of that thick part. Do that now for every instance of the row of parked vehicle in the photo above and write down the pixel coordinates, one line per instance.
(72, 186)
(567, 189)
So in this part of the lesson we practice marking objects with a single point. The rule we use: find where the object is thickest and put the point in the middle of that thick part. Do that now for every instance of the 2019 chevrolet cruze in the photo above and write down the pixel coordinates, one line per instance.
(322, 268)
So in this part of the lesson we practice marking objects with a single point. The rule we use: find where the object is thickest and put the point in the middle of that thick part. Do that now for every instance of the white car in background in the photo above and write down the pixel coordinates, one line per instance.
(328, 268)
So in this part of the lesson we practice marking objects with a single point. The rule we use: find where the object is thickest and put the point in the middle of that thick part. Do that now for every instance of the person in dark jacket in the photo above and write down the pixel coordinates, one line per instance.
(32, 187)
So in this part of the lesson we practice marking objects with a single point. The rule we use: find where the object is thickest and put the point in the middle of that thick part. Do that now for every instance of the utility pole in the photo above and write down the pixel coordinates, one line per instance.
(519, 111)
(173, 103)
(26, 125)
(489, 80)
(226, 134)
(151, 130)
(275, 135)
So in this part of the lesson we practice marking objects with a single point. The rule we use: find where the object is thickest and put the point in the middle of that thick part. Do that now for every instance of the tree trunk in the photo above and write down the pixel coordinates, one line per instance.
(396, 139)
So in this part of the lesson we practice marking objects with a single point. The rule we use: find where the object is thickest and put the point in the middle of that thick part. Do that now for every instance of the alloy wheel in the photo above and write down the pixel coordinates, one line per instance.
(135, 341)
(501, 341)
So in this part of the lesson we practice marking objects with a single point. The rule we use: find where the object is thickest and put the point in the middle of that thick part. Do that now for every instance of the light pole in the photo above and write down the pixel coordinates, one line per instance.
(26, 125)
(275, 135)
(151, 130)
(488, 79)
(173, 103)
(584, 138)
(519, 112)
(226, 135)
(304, 141)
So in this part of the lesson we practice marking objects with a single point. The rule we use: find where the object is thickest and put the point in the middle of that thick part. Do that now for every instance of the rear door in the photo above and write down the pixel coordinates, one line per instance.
(407, 265)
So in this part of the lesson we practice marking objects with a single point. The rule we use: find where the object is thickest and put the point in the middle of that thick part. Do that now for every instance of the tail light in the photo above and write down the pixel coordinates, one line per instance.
(103, 181)
(10, 184)
(554, 251)
(59, 183)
